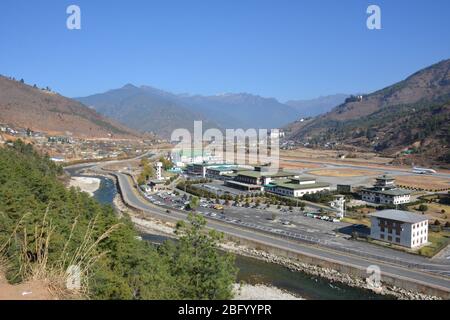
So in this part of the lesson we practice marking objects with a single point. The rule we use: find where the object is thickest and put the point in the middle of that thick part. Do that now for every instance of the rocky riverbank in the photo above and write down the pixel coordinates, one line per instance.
(86, 184)
(261, 292)
(327, 273)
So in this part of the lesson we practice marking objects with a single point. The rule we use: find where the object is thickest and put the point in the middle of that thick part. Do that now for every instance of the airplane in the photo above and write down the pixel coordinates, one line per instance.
(419, 170)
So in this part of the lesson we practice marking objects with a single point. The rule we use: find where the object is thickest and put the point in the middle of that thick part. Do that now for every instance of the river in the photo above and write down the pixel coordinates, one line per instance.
(254, 271)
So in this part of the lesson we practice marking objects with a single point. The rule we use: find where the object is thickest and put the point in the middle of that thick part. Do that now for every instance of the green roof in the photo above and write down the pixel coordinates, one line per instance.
(258, 174)
(391, 192)
(231, 175)
(249, 173)
(302, 179)
(222, 168)
(296, 186)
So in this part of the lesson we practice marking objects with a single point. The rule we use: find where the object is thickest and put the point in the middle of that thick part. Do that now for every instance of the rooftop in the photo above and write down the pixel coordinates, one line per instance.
(257, 174)
(390, 192)
(296, 186)
(304, 179)
(385, 177)
(222, 168)
(400, 215)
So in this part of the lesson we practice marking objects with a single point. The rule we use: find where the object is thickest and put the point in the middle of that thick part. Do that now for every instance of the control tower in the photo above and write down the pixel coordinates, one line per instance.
(159, 170)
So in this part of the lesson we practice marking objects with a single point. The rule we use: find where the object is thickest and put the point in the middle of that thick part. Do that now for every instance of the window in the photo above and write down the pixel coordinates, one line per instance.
(389, 238)
(381, 236)
(397, 240)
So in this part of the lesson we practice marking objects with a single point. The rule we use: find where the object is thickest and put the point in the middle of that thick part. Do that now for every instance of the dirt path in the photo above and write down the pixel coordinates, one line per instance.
(34, 290)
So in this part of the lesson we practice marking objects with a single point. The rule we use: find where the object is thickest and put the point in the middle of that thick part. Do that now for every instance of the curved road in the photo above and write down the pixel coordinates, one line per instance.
(396, 271)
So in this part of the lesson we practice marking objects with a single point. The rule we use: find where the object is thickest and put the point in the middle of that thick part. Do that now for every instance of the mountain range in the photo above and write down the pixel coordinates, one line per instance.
(42, 110)
(149, 109)
(411, 116)
(317, 106)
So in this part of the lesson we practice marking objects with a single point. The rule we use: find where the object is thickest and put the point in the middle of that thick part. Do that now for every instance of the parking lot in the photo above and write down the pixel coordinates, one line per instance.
(294, 224)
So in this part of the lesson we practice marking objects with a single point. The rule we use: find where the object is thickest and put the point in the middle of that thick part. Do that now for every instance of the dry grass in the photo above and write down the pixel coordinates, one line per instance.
(435, 212)
(332, 155)
(33, 257)
(423, 182)
(299, 165)
(344, 172)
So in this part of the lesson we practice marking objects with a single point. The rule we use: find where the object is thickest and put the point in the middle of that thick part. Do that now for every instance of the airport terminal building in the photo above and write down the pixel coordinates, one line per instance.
(385, 191)
(255, 180)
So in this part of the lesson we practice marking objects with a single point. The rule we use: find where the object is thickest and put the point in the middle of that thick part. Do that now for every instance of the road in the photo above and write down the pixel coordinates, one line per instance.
(416, 275)
(314, 251)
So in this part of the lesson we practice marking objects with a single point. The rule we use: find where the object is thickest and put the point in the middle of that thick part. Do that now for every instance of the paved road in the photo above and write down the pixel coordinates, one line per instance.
(398, 271)
(314, 251)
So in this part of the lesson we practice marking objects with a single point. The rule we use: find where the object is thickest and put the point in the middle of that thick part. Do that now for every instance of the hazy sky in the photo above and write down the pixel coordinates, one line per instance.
(283, 49)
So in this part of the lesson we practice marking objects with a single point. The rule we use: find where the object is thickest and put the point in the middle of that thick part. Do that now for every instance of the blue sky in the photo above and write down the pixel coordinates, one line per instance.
(278, 48)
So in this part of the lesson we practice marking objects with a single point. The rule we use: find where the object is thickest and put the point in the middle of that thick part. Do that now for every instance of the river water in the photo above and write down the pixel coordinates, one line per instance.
(254, 271)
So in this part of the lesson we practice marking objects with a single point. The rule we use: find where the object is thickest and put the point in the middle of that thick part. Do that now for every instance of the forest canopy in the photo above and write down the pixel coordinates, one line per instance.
(35, 206)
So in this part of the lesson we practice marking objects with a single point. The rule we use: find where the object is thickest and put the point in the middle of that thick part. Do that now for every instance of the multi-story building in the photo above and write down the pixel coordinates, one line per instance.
(296, 187)
(399, 227)
(256, 179)
(221, 172)
(384, 191)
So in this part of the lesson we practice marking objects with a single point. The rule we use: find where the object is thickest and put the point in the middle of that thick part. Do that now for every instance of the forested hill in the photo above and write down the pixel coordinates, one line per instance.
(45, 228)
(411, 118)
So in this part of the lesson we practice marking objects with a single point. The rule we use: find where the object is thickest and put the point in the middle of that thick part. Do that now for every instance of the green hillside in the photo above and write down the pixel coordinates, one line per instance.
(45, 228)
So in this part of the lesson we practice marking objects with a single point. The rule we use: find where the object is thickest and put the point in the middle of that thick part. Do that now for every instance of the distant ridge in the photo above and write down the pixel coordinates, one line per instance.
(145, 109)
(25, 106)
(411, 116)
(317, 106)
(149, 109)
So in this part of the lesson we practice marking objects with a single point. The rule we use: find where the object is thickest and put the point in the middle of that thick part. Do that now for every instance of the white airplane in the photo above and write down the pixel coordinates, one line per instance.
(419, 170)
